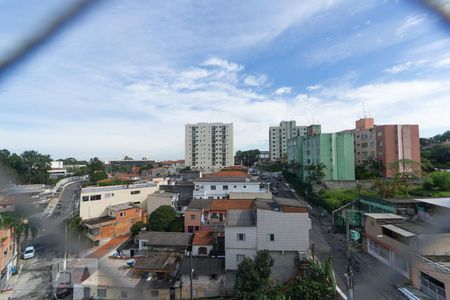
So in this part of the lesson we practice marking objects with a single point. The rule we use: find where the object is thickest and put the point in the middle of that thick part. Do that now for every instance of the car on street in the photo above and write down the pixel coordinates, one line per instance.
(28, 252)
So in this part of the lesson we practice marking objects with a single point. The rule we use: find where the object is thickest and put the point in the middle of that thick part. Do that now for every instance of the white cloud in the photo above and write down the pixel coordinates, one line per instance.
(409, 23)
(314, 87)
(399, 68)
(224, 64)
(255, 80)
(283, 90)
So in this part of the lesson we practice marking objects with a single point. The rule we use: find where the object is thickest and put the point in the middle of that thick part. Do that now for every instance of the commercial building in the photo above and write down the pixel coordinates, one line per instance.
(220, 188)
(209, 146)
(281, 226)
(388, 144)
(334, 150)
(118, 221)
(94, 201)
(279, 135)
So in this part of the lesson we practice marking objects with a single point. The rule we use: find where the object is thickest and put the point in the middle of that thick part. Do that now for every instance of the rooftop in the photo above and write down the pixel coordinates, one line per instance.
(240, 218)
(200, 204)
(231, 204)
(163, 194)
(230, 173)
(99, 220)
(113, 273)
(95, 189)
(170, 239)
(291, 202)
(227, 179)
(203, 238)
(443, 202)
(384, 216)
(123, 206)
(203, 265)
(158, 261)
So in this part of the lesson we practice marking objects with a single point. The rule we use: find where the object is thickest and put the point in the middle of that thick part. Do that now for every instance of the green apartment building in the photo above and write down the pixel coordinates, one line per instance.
(334, 150)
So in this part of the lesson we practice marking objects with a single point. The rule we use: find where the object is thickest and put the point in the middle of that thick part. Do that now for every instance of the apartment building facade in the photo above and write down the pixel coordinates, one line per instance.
(387, 144)
(279, 135)
(8, 254)
(334, 150)
(209, 146)
(94, 201)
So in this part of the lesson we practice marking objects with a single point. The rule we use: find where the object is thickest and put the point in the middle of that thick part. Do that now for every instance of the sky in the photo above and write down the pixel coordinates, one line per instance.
(124, 78)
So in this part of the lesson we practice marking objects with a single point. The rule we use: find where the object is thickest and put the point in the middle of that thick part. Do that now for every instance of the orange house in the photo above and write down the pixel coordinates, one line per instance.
(117, 222)
(7, 254)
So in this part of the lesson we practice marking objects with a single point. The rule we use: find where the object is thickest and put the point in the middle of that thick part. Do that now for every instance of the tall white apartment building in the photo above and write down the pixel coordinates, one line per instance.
(209, 146)
(279, 135)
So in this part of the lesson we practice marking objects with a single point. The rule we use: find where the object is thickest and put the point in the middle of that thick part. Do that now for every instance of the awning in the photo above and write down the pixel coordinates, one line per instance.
(399, 230)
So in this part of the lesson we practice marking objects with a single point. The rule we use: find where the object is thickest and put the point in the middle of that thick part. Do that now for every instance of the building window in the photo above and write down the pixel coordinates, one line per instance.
(155, 293)
(245, 186)
(122, 214)
(213, 188)
(239, 258)
(196, 228)
(124, 294)
(225, 187)
(101, 293)
(191, 229)
(96, 197)
(213, 277)
(192, 217)
(135, 192)
(240, 237)
(85, 198)
(202, 251)
(271, 237)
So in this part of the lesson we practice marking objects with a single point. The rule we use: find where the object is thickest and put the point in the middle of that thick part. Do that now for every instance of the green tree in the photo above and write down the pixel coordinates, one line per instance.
(162, 218)
(253, 277)
(97, 176)
(317, 172)
(439, 180)
(36, 167)
(247, 158)
(402, 170)
(137, 227)
(95, 165)
(75, 225)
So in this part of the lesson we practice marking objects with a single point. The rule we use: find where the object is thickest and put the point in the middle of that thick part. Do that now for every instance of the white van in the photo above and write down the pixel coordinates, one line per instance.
(28, 252)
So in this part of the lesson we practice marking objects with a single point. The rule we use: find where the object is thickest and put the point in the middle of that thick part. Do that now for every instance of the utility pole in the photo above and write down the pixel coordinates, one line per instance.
(65, 248)
(191, 274)
(349, 273)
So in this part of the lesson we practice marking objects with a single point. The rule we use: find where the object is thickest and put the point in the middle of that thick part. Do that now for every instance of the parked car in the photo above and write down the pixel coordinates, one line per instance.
(62, 291)
(28, 252)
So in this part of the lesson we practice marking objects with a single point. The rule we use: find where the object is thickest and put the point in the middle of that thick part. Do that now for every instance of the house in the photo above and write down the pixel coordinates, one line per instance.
(215, 217)
(417, 250)
(281, 226)
(94, 201)
(155, 240)
(208, 277)
(184, 191)
(160, 198)
(194, 214)
(203, 243)
(118, 221)
(221, 187)
(8, 255)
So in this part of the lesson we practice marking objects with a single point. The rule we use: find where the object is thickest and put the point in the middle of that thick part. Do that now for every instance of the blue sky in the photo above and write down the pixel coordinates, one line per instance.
(124, 78)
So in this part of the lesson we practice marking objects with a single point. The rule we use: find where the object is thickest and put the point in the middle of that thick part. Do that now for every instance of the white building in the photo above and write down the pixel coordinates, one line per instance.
(220, 188)
(281, 226)
(94, 201)
(160, 198)
(209, 146)
(279, 135)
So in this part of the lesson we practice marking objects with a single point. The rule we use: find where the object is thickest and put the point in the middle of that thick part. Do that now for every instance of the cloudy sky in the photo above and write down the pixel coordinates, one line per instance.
(125, 77)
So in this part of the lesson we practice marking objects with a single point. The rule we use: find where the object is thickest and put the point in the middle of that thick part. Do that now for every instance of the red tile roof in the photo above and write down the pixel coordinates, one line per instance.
(203, 238)
(234, 173)
(109, 246)
(231, 204)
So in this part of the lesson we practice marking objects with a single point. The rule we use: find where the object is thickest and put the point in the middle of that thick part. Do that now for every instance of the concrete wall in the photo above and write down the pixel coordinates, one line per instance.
(154, 201)
(202, 190)
(431, 269)
(291, 230)
(233, 246)
(203, 287)
(192, 218)
(97, 208)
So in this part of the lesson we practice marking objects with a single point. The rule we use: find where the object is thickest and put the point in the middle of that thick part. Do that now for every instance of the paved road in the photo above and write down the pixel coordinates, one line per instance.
(372, 279)
(34, 280)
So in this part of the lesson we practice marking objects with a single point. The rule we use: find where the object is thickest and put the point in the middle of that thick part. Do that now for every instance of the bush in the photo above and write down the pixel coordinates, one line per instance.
(437, 180)
(163, 219)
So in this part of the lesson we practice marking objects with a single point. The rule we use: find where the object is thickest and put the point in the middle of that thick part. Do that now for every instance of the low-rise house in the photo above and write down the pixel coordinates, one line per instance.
(281, 226)
(160, 198)
(8, 254)
(208, 277)
(94, 201)
(215, 217)
(415, 249)
(184, 191)
(171, 241)
(194, 215)
(203, 243)
(118, 221)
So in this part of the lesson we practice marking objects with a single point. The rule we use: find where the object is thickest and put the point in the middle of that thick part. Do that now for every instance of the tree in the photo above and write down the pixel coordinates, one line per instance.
(317, 172)
(76, 225)
(402, 170)
(162, 218)
(247, 158)
(137, 227)
(253, 277)
(439, 180)
(97, 176)
(95, 165)
(316, 282)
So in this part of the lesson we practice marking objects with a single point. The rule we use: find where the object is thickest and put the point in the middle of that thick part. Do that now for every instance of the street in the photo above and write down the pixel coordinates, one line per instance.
(34, 279)
(372, 279)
